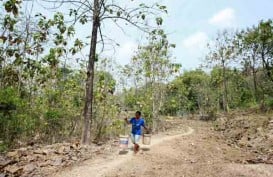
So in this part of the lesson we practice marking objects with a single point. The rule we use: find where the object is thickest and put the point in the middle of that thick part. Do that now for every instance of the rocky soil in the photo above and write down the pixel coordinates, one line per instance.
(250, 132)
(242, 145)
(41, 160)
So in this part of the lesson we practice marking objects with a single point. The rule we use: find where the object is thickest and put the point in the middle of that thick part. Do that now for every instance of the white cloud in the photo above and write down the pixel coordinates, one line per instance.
(224, 18)
(195, 41)
(125, 52)
(192, 49)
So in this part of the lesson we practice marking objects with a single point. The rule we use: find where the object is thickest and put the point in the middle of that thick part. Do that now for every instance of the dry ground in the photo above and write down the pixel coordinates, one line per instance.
(193, 150)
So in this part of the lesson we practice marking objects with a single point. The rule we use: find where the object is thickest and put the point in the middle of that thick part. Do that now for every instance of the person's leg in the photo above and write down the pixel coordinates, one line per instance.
(133, 138)
(137, 138)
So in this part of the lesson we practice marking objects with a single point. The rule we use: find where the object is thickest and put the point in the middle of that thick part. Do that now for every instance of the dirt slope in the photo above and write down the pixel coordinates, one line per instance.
(189, 153)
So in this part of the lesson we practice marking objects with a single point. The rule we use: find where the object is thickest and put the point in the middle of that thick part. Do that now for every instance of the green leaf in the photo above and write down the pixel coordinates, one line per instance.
(83, 19)
(159, 21)
(62, 29)
(143, 16)
(12, 6)
(172, 45)
(3, 39)
(142, 5)
(70, 31)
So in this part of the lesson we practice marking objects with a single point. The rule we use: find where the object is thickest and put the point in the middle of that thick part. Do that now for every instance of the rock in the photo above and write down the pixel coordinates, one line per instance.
(260, 131)
(30, 143)
(57, 161)
(29, 168)
(270, 138)
(23, 151)
(249, 146)
(39, 151)
(40, 157)
(31, 158)
(5, 163)
(14, 169)
(48, 151)
(246, 126)
(242, 142)
(13, 154)
(193, 161)
(2, 175)
(63, 150)
(44, 164)
(255, 161)
(74, 158)
(75, 145)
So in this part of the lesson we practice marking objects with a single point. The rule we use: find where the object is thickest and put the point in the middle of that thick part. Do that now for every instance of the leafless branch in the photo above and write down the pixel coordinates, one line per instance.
(101, 39)
(135, 24)
(58, 3)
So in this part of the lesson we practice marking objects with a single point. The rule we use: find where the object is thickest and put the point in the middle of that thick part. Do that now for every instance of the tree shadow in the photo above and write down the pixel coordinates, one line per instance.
(145, 149)
(123, 152)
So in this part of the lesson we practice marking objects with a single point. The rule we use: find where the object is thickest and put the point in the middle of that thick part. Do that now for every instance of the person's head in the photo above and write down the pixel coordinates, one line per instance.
(138, 114)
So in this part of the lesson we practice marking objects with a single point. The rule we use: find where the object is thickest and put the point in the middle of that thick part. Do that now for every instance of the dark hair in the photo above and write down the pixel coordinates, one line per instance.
(138, 112)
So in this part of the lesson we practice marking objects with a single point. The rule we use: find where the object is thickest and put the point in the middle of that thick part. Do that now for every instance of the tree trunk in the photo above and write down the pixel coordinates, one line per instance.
(154, 112)
(266, 64)
(154, 94)
(225, 99)
(254, 77)
(88, 108)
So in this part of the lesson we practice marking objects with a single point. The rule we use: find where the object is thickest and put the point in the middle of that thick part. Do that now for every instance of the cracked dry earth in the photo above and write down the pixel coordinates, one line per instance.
(197, 151)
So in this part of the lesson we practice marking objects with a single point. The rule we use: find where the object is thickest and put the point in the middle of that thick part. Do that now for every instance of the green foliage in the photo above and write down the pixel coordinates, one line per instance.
(48, 98)
(48, 94)
(150, 68)
(12, 6)
(12, 122)
(269, 103)
(188, 93)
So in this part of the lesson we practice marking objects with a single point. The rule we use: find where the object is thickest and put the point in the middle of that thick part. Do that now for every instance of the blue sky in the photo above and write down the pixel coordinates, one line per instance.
(196, 22)
(191, 24)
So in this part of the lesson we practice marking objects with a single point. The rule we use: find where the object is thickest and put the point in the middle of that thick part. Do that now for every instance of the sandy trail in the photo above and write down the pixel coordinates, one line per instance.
(192, 152)
(101, 166)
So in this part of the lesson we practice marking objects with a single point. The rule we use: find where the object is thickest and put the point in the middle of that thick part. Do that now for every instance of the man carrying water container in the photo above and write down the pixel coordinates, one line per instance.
(137, 122)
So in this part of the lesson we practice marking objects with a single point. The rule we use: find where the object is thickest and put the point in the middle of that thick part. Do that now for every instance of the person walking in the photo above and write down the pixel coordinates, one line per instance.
(137, 122)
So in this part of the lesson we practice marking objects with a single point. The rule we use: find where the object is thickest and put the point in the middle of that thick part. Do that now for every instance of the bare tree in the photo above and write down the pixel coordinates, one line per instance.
(98, 12)
(247, 41)
(222, 52)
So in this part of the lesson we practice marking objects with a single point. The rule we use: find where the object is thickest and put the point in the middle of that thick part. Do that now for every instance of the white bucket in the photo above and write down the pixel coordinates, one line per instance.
(123, 141)
(146, 140)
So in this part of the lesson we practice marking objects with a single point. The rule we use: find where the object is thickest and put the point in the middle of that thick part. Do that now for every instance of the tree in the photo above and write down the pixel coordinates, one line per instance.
(248, 41)
(99, 11)
(256, 48)
(189, 93)
(153, 66)
(33, 54)
(265, 41)
(222, 52)
(104, 99)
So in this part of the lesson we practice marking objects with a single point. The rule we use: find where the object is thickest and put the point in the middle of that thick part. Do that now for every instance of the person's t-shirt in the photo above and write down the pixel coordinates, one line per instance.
(136, 125)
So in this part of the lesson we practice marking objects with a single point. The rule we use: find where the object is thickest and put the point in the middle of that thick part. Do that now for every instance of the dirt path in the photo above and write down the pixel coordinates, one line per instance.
(192, 152)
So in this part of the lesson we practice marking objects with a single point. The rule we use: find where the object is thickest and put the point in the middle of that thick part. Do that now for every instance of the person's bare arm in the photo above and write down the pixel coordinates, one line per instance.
(126, 120)
(147, 129)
